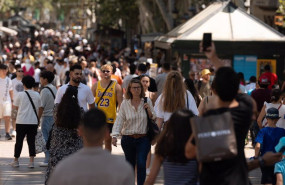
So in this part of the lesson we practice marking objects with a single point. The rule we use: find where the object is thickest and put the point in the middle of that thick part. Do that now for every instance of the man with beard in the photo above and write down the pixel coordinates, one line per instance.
(107, 101)
(85, 95)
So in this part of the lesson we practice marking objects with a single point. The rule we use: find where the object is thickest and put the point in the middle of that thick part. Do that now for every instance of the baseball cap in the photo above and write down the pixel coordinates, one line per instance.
(280, 147)
(205, 72)
(264, 80)
(272, 113)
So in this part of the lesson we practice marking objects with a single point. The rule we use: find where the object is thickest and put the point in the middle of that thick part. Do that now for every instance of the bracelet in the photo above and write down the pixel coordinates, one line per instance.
(261, 162)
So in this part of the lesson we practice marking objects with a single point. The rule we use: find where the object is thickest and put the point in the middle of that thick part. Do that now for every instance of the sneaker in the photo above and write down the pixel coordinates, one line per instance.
(15, 164)
(8, 137)
(31, 165)
(43, 164)
(13, 133)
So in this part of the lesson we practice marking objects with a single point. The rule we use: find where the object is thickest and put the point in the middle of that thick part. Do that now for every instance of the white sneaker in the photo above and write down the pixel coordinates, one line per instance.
(13, 133)
(15, 164)
(43, 164)
(31, 165)
(147, 171)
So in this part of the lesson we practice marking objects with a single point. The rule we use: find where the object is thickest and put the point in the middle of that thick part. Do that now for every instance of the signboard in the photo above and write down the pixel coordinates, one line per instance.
(263, 62)
(245, 64)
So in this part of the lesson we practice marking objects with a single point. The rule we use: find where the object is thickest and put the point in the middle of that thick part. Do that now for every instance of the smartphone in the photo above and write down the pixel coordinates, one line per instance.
(207, 41)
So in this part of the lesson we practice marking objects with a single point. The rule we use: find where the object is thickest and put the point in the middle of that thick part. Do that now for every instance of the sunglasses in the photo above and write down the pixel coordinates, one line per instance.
(105, 71)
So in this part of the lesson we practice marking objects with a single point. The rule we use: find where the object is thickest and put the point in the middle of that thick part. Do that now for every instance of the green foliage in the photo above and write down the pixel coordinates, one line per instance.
(111, 11)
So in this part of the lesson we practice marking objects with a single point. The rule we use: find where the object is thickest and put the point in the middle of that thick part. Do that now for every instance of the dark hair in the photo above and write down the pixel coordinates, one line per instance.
(3, 66)
(28, 81)
(18, 66)
(47, 75)
(68, 111)
(166, 66)
(275, 95)
(133, 68)
(171, 142)
(226, 83)
(75, 66)
(142, 68)
(128, 94)
(94, 119)
(241, 77)
(191, 87)
(114, 68)
(252, 79)
(267, 67)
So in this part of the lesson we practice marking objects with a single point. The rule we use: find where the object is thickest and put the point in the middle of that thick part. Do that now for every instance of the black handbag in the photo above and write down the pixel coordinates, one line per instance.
(152, 128)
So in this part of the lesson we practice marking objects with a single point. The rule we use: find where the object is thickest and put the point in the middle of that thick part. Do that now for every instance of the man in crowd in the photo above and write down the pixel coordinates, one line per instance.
(92, 164)
(17, 88)
(142, 69)
(85, 95)
(203, 86)
(160, 79)
(48, 93)
(6, 97)
(272, 76)
(129, 77)
(107, 101)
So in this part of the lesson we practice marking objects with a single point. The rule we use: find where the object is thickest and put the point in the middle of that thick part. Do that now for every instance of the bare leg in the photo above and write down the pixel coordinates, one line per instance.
(108, 142)
(7, 124)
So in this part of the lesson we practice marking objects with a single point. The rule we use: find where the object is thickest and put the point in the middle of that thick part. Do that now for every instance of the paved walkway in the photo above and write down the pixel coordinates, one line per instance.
(24, 175)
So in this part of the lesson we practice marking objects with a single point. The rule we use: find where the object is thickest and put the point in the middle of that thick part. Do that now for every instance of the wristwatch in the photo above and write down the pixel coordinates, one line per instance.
(261, 161)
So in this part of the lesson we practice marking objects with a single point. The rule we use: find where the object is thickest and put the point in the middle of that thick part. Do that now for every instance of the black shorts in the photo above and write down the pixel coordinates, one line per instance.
(268, 176)
(110, 127)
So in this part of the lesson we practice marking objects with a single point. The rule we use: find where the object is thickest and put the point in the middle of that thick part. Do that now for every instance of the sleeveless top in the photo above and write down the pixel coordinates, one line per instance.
(281, 122)
(108, 101)
(180, 173)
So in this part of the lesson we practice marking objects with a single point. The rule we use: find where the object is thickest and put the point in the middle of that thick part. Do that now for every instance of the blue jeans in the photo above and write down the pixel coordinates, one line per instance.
(47, 122)
(136, 151)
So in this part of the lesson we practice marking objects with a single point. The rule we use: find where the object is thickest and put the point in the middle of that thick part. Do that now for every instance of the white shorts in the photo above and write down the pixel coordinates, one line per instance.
(5, 109)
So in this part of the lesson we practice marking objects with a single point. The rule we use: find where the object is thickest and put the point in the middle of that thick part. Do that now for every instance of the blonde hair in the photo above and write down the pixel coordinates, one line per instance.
(174, 91)
(107, 66)
(128, 94)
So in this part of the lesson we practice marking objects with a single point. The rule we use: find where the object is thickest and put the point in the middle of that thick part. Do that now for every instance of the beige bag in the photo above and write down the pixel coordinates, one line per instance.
(215, 137)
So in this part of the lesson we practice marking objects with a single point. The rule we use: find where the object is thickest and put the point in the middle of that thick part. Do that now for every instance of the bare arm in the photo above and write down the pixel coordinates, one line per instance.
(119, 93)
(279, 179)
(159, 122)
(256, 150)
(201, 107)
(269, 159)
(261, 116)
(41, 110)
(11, 94)
(154, 170)
(212, 55)
(190, 149)
(93, 89)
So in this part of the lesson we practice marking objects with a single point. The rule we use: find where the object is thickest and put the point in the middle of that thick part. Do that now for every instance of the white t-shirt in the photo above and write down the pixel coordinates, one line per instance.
(5, 87)
(17, 87)
(84, 96)
(37, 75)
(166, 115)
(26, 113)
(281, 122)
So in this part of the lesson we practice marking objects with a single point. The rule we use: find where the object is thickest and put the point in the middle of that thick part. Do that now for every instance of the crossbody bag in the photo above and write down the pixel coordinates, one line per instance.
(104, 92)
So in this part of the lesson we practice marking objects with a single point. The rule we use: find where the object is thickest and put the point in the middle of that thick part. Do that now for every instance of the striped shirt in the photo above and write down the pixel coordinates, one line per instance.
(179, 173)
(131, 121)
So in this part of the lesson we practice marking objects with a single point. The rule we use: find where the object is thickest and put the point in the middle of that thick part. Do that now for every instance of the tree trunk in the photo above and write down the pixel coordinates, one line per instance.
(167, 17)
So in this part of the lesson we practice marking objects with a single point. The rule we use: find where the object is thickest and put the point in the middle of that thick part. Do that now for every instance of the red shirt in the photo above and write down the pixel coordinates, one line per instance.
(273, 78)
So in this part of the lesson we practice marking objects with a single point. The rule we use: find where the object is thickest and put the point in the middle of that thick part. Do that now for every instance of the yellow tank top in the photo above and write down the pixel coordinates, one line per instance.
(108, 101)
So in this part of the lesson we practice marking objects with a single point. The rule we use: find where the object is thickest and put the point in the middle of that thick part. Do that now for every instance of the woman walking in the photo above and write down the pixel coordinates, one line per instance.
(170, 152)
(131, 123)
(64, 137)
(27, 120)
(174, 97)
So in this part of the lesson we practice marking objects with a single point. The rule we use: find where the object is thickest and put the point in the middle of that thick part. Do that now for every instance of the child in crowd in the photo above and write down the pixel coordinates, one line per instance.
(266, 140)
(279, 169)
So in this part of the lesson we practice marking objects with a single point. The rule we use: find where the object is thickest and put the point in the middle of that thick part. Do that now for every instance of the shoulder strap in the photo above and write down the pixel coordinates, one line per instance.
(50, 91)
(33, 106)
(280, 106)
(104, 92)
(145, 101)
(187, 100)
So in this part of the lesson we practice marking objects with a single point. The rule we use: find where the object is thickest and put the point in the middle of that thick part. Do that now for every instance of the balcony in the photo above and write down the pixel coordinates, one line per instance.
(268, 4)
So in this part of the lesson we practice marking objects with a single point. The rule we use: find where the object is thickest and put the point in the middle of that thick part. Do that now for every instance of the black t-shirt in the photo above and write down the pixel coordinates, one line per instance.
(152, 86)
(232, 171)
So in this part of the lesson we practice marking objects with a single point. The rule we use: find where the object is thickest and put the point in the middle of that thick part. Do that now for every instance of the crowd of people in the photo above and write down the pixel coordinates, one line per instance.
(84, 97)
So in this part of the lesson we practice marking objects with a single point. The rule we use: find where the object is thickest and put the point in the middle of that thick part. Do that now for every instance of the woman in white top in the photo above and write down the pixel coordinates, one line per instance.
(174, 97)
(132, 124)
(276, 102)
